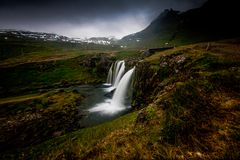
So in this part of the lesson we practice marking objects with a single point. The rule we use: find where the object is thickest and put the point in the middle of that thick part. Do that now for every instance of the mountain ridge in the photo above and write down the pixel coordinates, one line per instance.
(5, 34)
(212, 21)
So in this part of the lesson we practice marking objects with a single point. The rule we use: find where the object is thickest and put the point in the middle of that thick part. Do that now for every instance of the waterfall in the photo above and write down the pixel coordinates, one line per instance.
(122, 82)
(122, 89)
(110, 75)
(120, 73)
(115, 73)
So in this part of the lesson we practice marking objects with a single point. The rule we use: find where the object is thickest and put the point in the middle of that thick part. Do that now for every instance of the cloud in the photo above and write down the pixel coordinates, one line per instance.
(80, 18)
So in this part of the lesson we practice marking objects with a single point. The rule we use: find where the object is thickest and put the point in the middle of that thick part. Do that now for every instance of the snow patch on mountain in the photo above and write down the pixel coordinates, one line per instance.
(6, 34)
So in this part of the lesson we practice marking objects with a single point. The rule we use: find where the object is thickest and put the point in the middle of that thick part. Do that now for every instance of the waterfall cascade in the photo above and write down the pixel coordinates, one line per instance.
(122, 82)
(119, 73)
(110, 75)
(115, 73)
(120, 94)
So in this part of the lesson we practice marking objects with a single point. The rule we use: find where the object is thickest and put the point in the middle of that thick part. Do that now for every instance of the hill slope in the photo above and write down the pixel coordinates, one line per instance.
(214, 20)
(189, 100)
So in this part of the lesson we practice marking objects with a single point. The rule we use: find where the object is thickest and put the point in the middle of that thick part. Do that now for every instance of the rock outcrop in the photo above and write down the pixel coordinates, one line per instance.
(148, 79)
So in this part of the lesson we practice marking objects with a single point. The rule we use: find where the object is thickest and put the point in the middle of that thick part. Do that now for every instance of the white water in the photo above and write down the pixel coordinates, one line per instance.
(117, 103)
(115, 73)
(122, 89)
(110, 75)
(120, 73)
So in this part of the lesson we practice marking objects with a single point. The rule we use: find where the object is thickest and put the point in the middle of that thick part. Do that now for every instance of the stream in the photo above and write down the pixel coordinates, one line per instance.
(97, 106)
(107, 101)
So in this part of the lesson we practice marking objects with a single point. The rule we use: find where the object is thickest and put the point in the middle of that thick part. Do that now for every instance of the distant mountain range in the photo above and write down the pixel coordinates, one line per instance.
(17, 34)
(214, 20)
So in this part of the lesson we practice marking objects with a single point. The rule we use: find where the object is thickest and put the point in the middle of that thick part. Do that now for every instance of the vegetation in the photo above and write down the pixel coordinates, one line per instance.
(27, 66)
(176, 28)
(188, 101)
(44, 75)
(124, 54)
(32, 119)
(27, 49)
(195, 102)
(32, 108)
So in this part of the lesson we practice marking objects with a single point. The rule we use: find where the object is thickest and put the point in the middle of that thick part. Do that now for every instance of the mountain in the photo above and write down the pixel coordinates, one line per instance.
(23, 35)
(214, 20)
(18, 34)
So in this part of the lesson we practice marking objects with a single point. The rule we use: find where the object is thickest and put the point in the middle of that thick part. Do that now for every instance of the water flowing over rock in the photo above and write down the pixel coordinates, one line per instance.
(110, 75)
(119, 72)
(122, 83)
(115, 73)
(122, 89)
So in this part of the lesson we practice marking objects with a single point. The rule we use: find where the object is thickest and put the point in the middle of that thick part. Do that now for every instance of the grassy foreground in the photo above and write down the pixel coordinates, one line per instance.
(32, 119)
(189, 108)
(193, 110)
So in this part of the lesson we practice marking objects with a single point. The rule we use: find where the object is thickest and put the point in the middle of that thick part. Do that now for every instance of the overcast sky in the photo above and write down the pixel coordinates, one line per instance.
(86, 18)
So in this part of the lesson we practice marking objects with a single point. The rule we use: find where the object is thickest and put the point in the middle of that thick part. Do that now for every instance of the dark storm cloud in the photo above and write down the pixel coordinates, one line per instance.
(78, 17)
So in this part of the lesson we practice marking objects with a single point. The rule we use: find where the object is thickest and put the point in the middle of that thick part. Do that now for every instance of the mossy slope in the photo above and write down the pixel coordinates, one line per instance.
(188, 99)
(192, 108)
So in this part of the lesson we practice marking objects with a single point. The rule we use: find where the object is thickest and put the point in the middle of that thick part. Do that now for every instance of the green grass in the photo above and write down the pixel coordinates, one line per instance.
(47, 74)
(28, 65)
(127, 54)
(37, 119)
(81, 141)
(20, 51)
(20, 98)
(195, 104)
(189, 114)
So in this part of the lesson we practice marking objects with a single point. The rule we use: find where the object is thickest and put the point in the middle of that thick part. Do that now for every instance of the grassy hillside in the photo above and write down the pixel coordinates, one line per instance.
(17, 51)
(188, 101)
(29, 65)
(32, 119)
(32, 76)
(207, 23)
(32, 108)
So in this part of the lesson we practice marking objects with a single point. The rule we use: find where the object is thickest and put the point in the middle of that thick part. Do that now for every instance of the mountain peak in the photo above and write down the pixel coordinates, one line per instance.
(214, 20)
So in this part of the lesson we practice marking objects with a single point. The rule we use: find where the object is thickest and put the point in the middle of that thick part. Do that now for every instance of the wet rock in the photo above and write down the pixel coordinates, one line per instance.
(103, 64)
(147, 79)
(110, 94)
(94, 60)
(133, 61)
(99, 62)
(144, 84)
